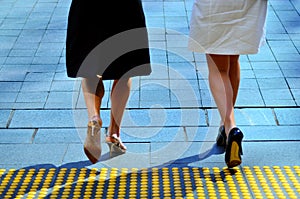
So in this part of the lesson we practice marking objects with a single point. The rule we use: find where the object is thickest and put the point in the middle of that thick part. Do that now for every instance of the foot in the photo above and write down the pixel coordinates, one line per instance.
(115, 144)
(92, 144)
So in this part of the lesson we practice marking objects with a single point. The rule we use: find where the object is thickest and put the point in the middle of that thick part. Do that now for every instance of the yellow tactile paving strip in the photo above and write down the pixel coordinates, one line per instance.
(240, 182)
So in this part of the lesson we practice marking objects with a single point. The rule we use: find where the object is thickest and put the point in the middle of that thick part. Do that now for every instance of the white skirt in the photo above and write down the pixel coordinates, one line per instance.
(227, 26)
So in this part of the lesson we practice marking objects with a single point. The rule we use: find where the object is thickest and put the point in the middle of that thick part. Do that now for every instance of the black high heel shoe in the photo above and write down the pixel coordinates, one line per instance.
(234, 148)
(221, 138)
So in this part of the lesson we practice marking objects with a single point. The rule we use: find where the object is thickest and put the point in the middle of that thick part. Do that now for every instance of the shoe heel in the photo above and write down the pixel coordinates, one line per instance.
(115, 145)
(110, 147)
(117, 149)
(240, 148)
(235, 158)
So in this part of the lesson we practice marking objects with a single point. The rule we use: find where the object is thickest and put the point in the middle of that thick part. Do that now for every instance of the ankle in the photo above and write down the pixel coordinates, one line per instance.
(113, 134)
(97, 119)
(113, 131)
(228, 128)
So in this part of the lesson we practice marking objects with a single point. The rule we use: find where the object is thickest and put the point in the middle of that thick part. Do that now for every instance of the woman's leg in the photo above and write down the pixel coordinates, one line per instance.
(221, 88)
(119, 97)
(93, 91)
(224, 86)
(234, 75)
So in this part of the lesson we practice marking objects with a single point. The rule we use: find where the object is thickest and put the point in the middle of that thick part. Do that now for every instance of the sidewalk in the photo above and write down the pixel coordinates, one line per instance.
(171, 120)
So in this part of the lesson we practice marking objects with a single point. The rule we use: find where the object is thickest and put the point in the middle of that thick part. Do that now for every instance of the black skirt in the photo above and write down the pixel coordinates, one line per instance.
(107, 38)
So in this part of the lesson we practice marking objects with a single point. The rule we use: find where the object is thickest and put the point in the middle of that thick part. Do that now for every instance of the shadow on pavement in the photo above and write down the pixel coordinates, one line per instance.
(74, 180)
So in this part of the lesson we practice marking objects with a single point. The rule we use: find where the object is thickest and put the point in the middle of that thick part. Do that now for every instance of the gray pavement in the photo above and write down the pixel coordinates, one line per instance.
(171, 119)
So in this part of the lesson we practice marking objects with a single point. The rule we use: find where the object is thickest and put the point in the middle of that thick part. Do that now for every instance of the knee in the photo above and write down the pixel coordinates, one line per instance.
(223, 70)
(218, 64)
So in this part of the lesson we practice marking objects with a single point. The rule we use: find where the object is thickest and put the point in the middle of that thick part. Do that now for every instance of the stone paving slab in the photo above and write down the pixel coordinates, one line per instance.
(57, 136)
(16, 136)
(41, 118)
(289, 116)
(246, 116)
(193, 141)
(271, 153)
(154, 154)
(4, 117)
(22, 154)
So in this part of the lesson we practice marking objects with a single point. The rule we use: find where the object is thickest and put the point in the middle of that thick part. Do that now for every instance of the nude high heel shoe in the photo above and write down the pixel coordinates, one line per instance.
(92, 144)
(115, 145)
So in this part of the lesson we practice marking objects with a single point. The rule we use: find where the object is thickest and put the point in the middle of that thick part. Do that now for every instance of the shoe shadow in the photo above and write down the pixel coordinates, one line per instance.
(80, 164)
(215, 150)
(107, 156)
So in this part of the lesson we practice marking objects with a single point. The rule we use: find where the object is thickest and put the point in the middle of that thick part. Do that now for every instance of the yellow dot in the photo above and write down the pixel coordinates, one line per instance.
(286, 186)
(144, 195)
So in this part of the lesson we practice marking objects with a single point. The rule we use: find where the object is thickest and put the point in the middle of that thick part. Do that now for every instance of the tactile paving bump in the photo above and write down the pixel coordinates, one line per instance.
(240, 182)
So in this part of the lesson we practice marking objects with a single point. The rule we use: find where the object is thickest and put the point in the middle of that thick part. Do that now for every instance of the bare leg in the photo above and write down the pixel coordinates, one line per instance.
(224, 78)
(119, 97)
(234, 75)
(221, 88)
(93, 91)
